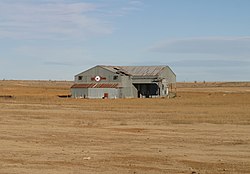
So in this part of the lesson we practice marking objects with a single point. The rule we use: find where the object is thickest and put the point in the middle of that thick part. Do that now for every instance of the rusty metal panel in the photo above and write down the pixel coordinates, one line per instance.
(96, 85)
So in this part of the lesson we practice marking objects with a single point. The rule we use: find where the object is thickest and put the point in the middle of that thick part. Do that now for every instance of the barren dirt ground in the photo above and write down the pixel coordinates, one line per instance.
(205, 129)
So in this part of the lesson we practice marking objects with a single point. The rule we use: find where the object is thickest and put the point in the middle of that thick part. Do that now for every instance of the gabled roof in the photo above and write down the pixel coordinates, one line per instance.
(135, 70)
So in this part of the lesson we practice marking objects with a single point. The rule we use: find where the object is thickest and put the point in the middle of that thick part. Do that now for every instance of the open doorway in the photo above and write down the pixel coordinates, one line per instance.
(147, 90)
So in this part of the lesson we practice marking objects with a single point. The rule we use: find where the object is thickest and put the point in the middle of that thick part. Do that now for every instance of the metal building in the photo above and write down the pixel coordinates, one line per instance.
(124, 82)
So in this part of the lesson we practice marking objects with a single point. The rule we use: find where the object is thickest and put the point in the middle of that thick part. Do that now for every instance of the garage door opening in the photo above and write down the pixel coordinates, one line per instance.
(147, 90)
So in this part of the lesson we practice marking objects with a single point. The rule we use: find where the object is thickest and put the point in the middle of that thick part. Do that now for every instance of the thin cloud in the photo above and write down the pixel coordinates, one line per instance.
(122, 8)
(226, 46)
(58, 63)
(210, 59)
(211, 63)
(133, 6)
(54, 19)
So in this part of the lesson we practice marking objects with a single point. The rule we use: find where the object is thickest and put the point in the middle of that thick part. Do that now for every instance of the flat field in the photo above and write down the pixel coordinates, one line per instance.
(205, 129)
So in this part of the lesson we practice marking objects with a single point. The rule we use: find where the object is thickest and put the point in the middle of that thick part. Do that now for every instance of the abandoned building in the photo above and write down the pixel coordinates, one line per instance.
(124, 82)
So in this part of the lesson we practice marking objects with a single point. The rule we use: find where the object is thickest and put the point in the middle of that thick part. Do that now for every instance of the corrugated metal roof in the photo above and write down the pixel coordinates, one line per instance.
(96, 85)
(143, 70)
(116, 69)
(136, 70)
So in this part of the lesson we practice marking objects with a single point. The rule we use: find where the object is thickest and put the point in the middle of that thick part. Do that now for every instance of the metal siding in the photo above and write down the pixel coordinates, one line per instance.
(99, 92)
(94, 92)
(168, 81)
(138, 80)
(168, 74)
(128, 90)
(97, 71)
(79, 92)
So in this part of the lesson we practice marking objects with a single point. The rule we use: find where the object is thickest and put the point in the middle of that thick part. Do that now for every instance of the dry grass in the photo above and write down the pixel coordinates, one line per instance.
(205, 129)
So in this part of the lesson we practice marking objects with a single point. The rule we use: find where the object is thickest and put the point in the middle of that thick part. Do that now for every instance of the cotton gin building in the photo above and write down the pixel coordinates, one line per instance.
(124, 82)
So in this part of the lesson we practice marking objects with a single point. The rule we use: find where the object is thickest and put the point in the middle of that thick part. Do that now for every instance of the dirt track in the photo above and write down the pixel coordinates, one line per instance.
(205, 129)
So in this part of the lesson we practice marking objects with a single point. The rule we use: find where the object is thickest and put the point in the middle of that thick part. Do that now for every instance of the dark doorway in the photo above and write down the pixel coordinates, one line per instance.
(147, 90)
(138, 94)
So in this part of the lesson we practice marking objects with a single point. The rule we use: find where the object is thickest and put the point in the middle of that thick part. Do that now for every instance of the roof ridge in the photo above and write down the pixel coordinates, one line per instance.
(148, 70)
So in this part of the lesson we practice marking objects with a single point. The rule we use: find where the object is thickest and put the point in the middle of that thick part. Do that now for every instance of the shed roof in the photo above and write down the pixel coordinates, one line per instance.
(135, 70)
(95, 85)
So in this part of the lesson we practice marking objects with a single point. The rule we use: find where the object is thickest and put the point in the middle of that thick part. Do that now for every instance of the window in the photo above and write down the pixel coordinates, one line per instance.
(79, 77)
(115, 77)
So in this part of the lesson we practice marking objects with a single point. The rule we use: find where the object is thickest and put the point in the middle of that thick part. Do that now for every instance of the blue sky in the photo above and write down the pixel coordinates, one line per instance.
(56, 39)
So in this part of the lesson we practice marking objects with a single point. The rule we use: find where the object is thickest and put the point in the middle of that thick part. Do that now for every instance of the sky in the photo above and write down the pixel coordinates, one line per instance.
(201, 40)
